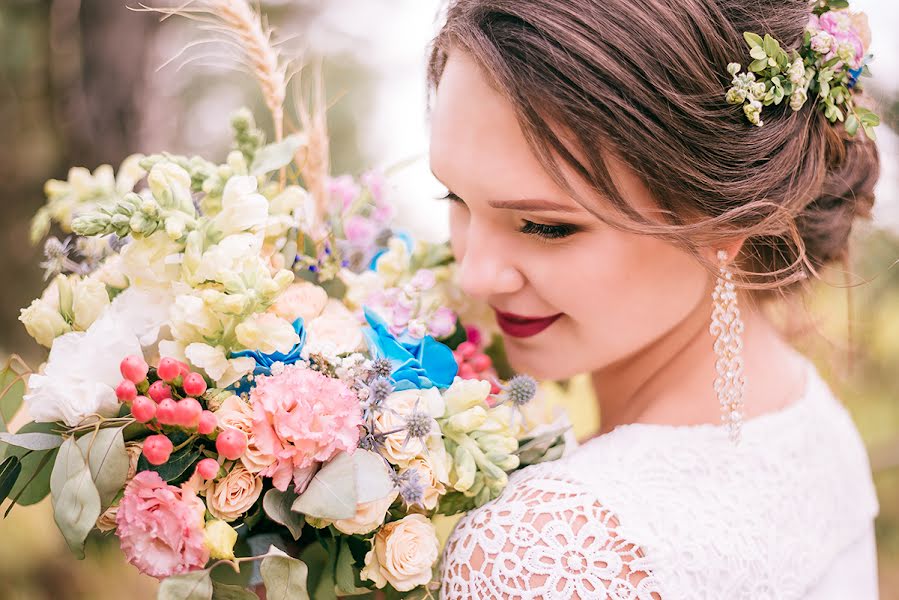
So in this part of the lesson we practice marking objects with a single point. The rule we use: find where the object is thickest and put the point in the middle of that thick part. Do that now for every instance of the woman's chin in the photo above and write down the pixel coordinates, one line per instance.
(537, 360)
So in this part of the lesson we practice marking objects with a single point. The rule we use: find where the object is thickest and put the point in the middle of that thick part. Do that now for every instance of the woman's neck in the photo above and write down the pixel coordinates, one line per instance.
(670, 381)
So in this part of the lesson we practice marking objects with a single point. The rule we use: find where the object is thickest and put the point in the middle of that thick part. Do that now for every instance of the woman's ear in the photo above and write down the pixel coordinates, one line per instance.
(732, 247)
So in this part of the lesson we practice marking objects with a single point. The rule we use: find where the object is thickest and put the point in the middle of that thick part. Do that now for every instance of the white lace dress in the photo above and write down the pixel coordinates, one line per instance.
(678, 512)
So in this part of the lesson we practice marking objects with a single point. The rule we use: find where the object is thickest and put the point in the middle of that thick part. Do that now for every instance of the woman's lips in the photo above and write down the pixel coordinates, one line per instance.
(523, 327)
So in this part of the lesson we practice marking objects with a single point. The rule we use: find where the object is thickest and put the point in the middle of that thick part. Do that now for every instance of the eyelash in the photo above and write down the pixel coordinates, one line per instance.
(541, 230)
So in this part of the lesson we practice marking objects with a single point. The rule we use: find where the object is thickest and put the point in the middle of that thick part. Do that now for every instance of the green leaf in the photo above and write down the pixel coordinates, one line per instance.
(32, 441)
(224, 591)
(332, 492)
(772, 47)
(195, 585)
(12, 389)
(76, 508)
(758, 53)
(34, 482)
(851, 124)
(107, 460)
(277, 506)
(345, 571)
(284, 577)
(279, 154)
(10, 469)
(753, 39)
(173, 471)
(757, 66)
(372, 475)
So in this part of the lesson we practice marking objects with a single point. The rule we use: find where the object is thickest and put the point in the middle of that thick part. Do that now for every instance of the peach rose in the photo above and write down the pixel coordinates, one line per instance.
(403, 553)
(237, 413)
(303, 299)
(234, 494)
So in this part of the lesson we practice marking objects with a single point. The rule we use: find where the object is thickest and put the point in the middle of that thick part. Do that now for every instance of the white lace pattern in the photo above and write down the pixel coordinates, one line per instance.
(546, 537)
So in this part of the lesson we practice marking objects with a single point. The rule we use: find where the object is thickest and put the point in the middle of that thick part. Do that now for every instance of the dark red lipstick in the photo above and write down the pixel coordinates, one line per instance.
(522, 327)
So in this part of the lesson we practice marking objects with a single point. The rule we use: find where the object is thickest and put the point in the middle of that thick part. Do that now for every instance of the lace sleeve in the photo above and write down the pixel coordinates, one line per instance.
(545, 537)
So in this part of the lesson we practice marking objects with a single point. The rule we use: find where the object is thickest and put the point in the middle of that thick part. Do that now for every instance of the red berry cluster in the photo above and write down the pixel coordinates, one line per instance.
(475, 364)
(171, 400)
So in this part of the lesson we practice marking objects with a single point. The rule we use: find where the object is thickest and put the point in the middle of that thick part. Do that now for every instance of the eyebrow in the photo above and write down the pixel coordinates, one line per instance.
(526, 204)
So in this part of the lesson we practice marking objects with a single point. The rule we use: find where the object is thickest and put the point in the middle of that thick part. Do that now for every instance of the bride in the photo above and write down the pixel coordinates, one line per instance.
(629, 206)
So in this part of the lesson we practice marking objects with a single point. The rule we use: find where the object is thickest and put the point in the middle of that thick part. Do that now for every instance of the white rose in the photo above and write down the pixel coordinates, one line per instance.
(403, 553)
(81, 374)
(90, 298)
(302, 299)
(335, 331)
(43, 322)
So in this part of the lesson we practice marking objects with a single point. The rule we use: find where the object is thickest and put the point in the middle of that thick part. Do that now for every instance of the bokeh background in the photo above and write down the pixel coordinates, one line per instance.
(81, 84)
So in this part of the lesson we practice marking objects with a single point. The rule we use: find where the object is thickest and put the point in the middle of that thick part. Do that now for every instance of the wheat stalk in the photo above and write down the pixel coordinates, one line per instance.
(242, 27)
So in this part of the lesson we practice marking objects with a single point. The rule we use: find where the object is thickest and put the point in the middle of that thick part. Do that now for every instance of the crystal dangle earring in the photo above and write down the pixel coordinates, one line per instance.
(727, 328)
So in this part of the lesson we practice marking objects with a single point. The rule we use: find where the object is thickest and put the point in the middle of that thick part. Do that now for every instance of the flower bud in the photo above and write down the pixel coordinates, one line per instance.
(464, 468)
(467, 420)
(220, 539)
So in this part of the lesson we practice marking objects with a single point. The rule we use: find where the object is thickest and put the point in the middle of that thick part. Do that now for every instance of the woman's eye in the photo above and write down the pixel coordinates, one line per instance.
(550, 232)
(451, 197)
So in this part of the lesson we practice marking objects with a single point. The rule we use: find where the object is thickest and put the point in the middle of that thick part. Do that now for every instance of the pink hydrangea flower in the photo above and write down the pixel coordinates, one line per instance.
(360, 231)
(160, 527)
(302, 418)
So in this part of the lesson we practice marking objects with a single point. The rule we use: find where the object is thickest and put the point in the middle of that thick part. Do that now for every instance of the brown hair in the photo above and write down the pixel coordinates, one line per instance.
(646, 81)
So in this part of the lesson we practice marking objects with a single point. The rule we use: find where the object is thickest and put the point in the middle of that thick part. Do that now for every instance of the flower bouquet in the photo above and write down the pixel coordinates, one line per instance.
(250, 366)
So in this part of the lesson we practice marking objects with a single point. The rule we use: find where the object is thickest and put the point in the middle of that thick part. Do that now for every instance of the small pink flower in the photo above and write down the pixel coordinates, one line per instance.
(302, 418)
(343, 188)
(160, 527)
(360, 231)
(442, 323)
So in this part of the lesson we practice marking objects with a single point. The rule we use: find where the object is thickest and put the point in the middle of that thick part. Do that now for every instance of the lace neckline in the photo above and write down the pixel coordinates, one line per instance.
(785, 413)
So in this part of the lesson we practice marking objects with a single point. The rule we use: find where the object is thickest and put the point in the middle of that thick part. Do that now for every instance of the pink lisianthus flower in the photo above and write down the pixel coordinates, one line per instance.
(343, 188)
(302, 419)
(841, 33)
(360, 231)
(160, 527)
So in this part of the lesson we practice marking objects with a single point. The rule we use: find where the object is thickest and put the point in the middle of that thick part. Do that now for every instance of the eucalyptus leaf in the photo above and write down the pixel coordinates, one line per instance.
(195, 585)
(758, 52)
(758, 66)
(372, 474)
(10, 469)
(277, 506)
(772, 47)
(107, 460)
(332, 492)
(12, 389)
(33, 484)
(32, 441)
(224, 591)
(284, 577)
(76, 509)
(279, 154)
(851, 124)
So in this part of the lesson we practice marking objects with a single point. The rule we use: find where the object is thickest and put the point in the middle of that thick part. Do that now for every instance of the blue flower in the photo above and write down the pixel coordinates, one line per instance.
(264, 362)
(417, 363)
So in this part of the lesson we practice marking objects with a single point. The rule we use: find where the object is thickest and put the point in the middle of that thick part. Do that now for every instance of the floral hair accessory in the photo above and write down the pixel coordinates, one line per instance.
(826, 68)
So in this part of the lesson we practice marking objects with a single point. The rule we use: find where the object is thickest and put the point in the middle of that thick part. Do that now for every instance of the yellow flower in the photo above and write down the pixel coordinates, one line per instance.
(220, 539)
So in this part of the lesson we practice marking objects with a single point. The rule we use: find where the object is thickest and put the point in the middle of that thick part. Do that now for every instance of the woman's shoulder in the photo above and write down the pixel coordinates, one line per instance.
(546, 536)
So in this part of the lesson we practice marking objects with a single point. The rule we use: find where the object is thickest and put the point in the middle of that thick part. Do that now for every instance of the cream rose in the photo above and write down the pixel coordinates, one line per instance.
(335, 331)
(401, 404)
(432, 485)
(303, 299)
(369, 516)
(43, 322)
(89, 300)
(403, 553)
(234, 494)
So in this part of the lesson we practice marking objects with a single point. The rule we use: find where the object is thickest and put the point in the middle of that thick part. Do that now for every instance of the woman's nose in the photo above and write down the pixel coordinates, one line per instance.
(486, 268)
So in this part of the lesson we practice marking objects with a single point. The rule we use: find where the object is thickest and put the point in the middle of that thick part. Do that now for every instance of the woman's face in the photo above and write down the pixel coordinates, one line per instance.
(571, 294)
